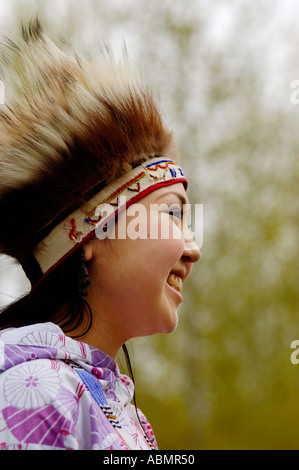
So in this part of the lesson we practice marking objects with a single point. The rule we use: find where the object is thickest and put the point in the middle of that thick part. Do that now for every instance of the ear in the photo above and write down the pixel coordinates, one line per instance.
(89, 249)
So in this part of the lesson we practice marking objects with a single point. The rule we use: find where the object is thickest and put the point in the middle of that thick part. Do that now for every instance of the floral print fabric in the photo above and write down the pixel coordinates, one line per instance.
(44, 403)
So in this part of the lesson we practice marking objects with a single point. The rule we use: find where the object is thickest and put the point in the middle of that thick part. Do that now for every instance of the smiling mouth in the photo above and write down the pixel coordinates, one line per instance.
(175, 281)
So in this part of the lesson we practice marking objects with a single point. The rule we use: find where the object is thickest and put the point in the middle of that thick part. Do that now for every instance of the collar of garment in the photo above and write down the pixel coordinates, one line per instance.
(47, 341)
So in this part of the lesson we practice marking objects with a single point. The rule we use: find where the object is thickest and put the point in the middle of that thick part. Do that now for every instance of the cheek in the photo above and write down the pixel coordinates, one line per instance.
(156, 254)
(145, 269)
(171, 239)
(160, 256)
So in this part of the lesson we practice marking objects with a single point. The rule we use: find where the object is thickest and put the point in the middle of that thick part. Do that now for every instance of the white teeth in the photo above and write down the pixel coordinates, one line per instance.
(175, 281)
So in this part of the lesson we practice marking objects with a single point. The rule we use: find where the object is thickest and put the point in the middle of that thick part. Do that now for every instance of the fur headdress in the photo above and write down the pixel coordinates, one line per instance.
(76, 123)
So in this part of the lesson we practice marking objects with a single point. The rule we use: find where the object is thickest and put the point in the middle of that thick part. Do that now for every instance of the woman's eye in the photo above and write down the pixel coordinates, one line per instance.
(180, 214)
(176, 213)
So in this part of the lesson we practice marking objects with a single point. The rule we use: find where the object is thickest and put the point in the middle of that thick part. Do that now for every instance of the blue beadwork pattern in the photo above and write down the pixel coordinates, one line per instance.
(93, 386)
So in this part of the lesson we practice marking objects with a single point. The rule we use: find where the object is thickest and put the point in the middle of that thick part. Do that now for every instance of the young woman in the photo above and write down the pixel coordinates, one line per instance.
(94, 208)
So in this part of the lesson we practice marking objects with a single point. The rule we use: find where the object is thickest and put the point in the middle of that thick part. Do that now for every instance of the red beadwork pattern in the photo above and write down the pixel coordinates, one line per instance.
(74, 235)
(93, 221)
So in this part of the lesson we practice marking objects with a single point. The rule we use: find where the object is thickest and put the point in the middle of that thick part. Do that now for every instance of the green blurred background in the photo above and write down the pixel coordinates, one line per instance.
(223, 71)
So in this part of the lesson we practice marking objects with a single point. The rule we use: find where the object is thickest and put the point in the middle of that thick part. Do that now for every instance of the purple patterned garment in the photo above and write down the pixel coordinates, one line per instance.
(44, 403)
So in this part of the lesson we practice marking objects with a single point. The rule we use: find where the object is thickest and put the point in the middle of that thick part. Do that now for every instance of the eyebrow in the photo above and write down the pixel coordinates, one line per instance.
(179, 196)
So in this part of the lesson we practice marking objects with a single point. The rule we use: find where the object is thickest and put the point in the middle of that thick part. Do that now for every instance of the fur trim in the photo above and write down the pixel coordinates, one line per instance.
(75, 121)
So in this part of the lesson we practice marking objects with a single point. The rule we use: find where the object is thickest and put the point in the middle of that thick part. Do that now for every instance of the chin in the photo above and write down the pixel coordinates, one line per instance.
(165, 327)
(172, 322)
(164, 321)
(171, 329)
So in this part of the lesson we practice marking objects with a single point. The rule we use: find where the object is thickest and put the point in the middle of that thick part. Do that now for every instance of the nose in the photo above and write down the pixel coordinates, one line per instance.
(191, 252)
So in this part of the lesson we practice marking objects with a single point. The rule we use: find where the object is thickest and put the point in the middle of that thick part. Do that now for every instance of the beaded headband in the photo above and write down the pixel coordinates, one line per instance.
(80, 225)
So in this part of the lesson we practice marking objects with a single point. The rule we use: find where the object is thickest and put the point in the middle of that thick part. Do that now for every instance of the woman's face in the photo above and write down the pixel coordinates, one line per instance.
(136, 282)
